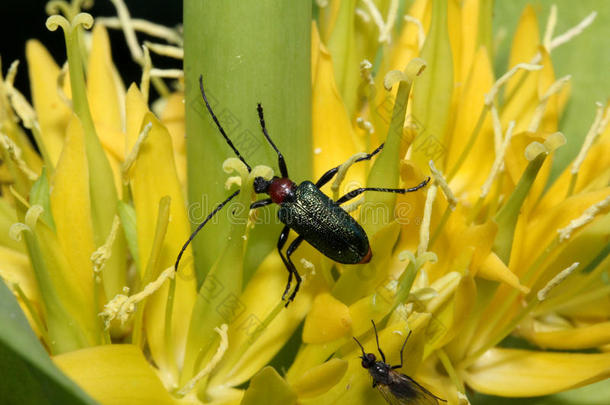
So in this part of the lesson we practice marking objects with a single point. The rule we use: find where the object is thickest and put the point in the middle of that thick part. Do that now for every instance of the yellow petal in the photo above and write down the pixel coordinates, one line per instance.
(333, 136)
(260, 298)
(473, 173)
(16, 269)
(494, 269)
(104, 95)
(70, 189)
(114, 374)
(154, 176)
(586, 337)
(173, 119)
(52, 112)
(523, 373)
(525, 43)
(320, 379)
(268, 387)
(470, 31)
(328, 320)
(135, 110)
(541, 230)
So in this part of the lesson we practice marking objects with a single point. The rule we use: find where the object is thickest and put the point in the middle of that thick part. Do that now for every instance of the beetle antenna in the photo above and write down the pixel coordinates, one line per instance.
(280, 158)
(361, 348)
(377, 339)
(196, 231)
(222, 131)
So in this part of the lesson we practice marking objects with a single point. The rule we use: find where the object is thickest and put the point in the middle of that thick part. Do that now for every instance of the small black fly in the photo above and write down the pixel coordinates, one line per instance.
(395, 387)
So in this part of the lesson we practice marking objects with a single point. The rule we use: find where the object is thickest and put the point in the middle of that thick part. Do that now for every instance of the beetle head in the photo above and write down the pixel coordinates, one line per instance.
(261, 185)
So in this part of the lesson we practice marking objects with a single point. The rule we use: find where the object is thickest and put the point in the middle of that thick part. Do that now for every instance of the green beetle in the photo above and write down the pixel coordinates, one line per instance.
(315, 217)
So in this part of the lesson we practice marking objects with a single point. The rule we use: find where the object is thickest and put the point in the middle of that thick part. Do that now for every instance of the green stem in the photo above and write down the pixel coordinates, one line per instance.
(247, 51)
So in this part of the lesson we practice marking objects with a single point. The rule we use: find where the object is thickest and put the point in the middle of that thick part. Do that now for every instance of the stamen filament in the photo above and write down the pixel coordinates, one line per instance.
(540, 108)
(424, 230)
(135, 150)
(498, 161)
(555, 281)
(596, 128)
(453, 375)
(170, 51)
(588, 216)
(421, 34)
(122, 306)
(340, 176)
(223, 345)
(550, 27)
(146, 27)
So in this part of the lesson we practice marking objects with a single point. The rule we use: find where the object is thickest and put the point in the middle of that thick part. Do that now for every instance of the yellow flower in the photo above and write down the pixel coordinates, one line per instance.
(485, 252)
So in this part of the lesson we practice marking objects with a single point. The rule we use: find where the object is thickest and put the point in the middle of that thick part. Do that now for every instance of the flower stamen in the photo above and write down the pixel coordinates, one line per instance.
(343, 171)
(170, 51)
(223, 345)
(539, 112)
(14, 152)
(588, 216)
(598, 126)
(498, 163)
(135, 150)
(122, 306)
(103, 253)
(421, 34)
(146, 27)
(555, 281)
(424, 230)
(550, 27)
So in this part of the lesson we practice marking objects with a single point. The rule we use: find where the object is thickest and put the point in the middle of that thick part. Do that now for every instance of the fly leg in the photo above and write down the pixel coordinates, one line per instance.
(401, 350)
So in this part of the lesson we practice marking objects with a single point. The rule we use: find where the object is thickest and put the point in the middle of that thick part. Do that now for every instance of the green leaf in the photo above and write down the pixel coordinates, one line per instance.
(28, 374)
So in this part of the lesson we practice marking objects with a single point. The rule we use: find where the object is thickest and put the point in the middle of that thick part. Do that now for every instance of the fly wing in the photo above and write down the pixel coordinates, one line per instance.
(390, 398)
(405, 390)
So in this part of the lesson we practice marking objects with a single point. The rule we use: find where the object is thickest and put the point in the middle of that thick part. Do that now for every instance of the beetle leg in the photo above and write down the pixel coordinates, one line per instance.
(326, 177)
(280, 245)
(293, 246)
(260, 203)
(354, 193)
(280, 158)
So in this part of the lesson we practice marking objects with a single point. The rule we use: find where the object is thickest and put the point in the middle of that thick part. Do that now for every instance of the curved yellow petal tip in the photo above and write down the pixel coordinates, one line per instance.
(268, 387)
(524, 373)
(121, 375)
(320, 379)
(328, 320)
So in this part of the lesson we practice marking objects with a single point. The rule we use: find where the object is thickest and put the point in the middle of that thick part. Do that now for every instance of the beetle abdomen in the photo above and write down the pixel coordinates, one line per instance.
(325, 225)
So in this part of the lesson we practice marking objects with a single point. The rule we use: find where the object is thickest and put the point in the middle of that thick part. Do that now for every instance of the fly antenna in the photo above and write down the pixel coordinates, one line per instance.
(362, 348)
(222, 131)
(377, 339)
(196, 231)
